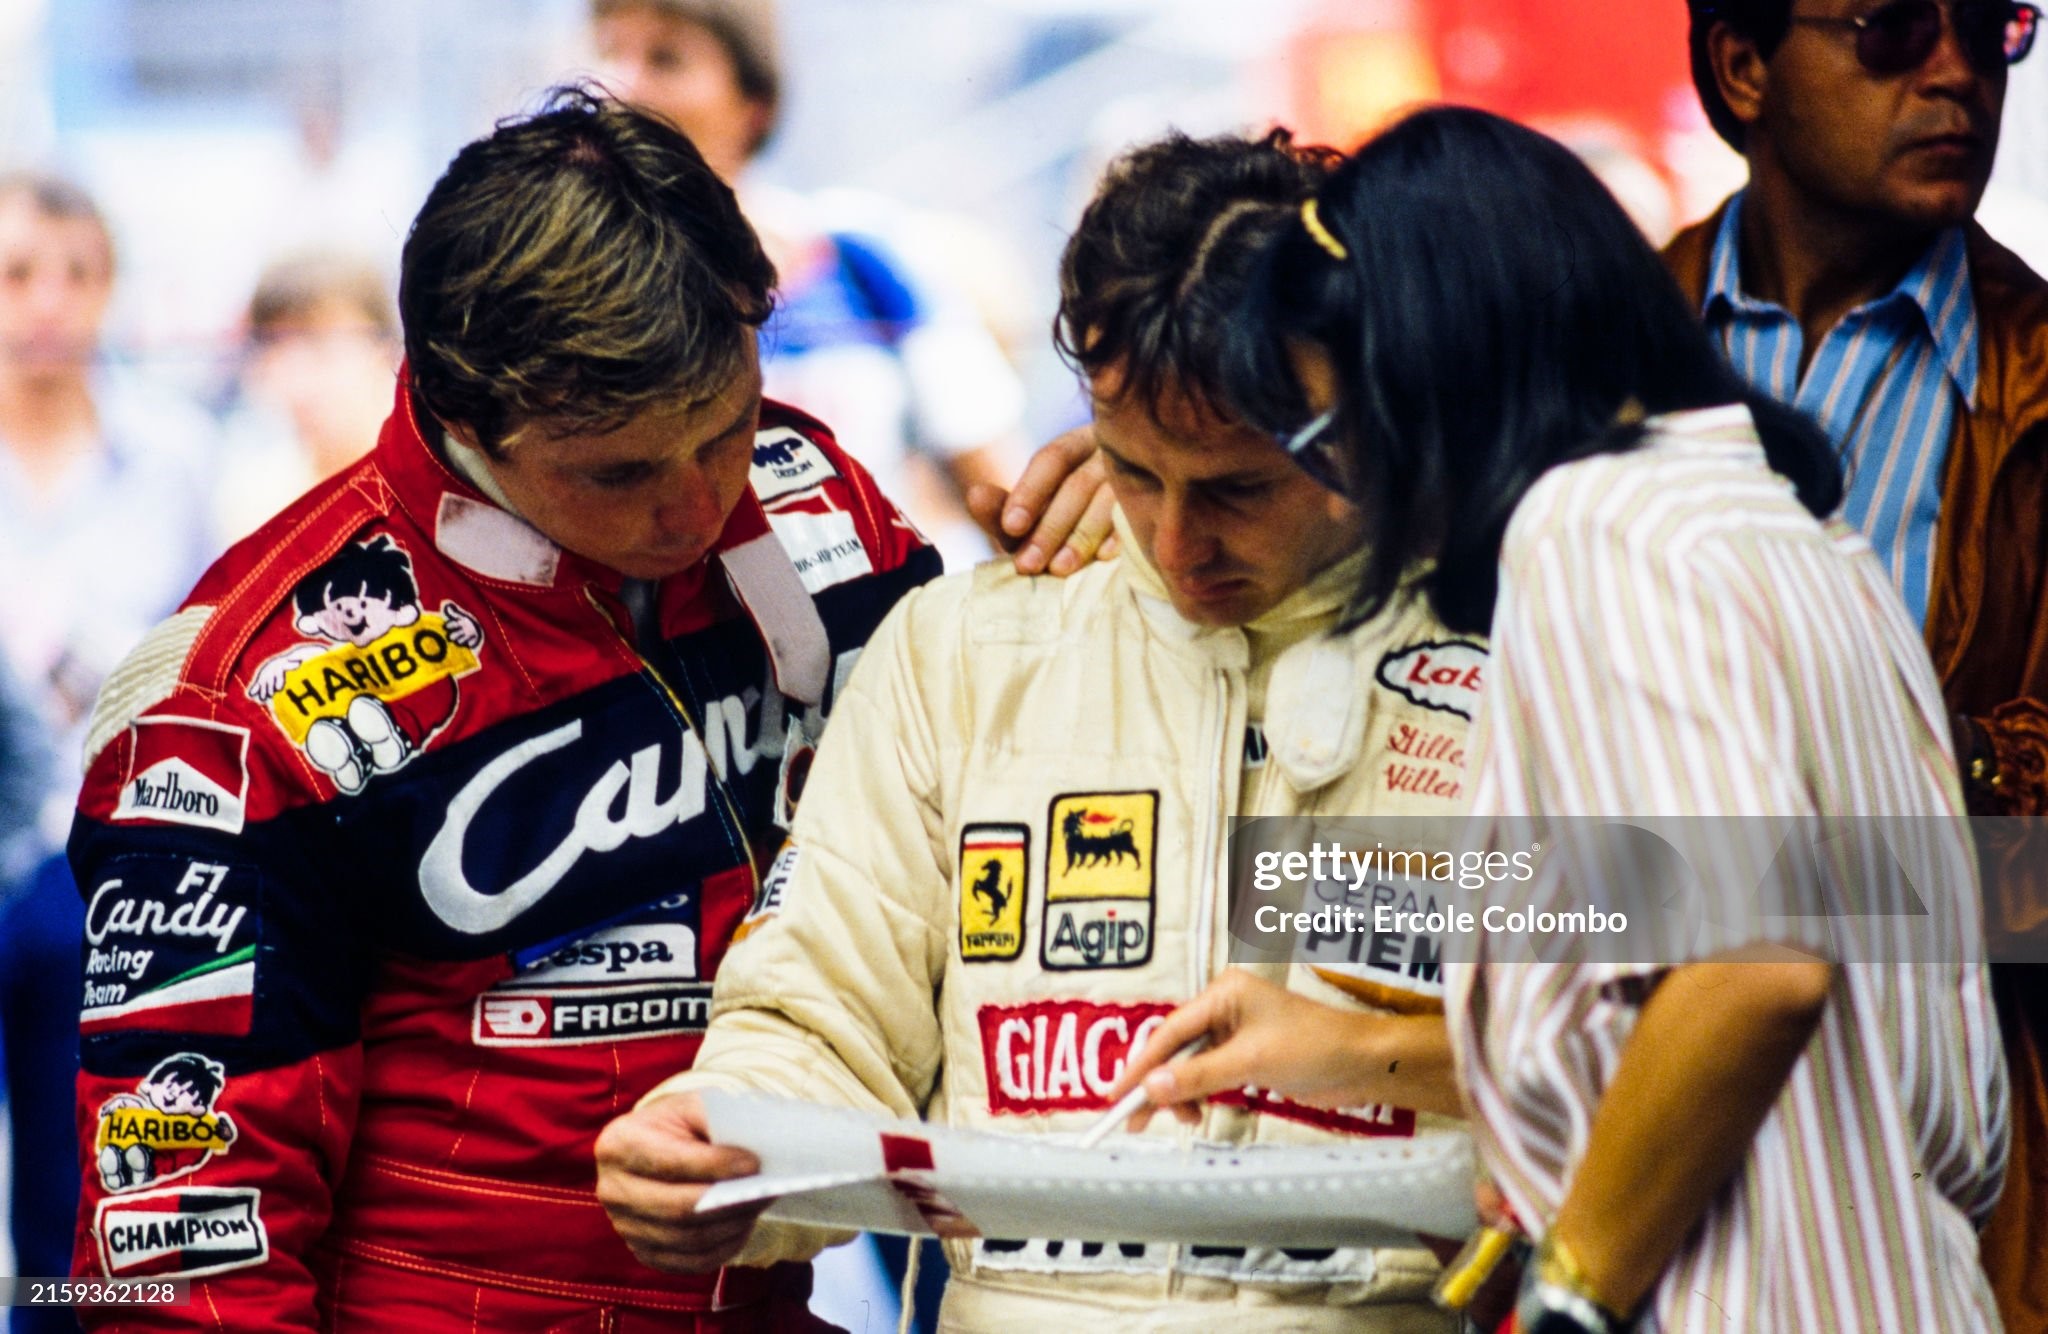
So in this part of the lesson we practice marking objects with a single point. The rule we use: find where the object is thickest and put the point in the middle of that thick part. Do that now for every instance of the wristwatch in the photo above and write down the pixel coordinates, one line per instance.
(1557, 1298)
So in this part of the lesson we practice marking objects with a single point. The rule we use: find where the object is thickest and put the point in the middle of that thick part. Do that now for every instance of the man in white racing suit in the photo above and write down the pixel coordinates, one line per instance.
(1011, 862)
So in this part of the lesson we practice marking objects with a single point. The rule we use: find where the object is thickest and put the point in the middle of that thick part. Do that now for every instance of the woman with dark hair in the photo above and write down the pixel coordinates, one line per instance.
(1468, 339)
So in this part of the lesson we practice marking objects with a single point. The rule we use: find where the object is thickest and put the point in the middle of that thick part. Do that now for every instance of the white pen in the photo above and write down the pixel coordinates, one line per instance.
(1133, 1100)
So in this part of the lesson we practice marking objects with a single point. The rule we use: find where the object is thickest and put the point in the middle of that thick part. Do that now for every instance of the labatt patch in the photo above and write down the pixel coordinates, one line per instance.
(375, 679)
(995, 860)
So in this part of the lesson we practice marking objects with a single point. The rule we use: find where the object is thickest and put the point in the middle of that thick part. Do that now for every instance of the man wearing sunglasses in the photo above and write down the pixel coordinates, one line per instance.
(1849, 279)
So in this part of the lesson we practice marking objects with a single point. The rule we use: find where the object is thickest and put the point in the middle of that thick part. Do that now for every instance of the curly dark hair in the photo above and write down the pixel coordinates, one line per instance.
(1762, 21)
(1150, 278)
(573, 268)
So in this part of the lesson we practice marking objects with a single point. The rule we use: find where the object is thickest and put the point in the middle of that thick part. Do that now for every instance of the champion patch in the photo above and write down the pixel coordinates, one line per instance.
(1443, 676)
(1099, 880)
(186, 771)
(181, 1233)
(786, 464)
(995, 861)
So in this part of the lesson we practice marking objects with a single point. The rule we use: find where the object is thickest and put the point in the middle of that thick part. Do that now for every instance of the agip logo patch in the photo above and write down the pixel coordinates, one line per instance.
(995, 863)
(1099, 880)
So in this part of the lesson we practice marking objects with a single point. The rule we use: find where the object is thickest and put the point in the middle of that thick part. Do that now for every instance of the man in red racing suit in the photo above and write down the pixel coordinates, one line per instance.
(412, 843)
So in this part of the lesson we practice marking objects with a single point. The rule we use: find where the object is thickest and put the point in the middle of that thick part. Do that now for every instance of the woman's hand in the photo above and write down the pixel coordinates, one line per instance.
(1264, 1035)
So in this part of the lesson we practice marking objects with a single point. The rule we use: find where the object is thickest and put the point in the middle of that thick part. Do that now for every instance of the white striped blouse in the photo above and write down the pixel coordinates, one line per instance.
(1676, 636)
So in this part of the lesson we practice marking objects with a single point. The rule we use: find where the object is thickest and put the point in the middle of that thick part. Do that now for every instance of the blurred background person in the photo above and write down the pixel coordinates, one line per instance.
(102, 529)
(314, 384)
(24, 779)
(892, 354)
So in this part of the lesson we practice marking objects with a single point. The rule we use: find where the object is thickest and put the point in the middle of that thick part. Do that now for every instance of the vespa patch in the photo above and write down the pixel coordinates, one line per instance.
(1099, 880)
(995, 864)
(375, 679)
(166, 1128)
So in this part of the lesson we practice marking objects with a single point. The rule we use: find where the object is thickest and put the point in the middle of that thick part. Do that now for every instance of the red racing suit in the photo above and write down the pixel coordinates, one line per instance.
(417, 1003)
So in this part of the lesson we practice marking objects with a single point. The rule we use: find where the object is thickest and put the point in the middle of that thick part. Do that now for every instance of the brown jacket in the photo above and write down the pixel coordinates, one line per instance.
(1987, 631)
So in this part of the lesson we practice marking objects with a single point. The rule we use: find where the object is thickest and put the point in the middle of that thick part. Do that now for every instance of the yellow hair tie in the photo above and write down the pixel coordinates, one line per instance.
(1323, 236)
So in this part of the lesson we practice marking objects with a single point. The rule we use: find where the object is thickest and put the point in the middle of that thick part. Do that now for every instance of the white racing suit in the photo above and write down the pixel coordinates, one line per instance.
(1011, 859)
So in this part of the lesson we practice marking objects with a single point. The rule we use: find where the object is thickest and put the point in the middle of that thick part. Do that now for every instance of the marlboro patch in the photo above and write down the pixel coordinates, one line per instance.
(186, 771)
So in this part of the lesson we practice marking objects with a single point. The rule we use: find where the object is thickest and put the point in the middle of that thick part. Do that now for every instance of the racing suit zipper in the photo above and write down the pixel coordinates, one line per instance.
(675, 699)
(1221, 799)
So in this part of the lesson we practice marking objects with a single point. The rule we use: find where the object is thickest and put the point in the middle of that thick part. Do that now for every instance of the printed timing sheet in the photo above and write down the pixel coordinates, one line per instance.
(835, 1167)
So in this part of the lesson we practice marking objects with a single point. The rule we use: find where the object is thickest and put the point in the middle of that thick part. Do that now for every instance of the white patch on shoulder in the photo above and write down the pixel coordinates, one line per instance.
(496, 545)
(786, 463)
(825, 548)
(145, 678)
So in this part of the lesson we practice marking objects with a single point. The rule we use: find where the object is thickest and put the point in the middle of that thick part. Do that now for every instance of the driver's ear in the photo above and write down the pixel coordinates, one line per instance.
(462, 434)
(309, 625)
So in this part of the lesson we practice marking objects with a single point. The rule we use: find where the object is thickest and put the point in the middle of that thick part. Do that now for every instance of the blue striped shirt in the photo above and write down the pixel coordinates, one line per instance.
(1885, 383)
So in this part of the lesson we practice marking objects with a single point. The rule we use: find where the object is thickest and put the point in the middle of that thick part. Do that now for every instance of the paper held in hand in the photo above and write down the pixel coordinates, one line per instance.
(839, 1168)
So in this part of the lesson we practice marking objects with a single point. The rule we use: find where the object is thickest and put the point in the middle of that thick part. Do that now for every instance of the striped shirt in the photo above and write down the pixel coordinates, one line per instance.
(1676, 636)
(1885, 383)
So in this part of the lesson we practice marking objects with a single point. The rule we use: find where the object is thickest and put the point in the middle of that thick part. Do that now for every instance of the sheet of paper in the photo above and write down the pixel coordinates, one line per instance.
(841, 1168)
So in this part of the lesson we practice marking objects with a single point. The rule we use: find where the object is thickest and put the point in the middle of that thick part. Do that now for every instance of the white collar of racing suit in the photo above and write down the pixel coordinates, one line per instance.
(1318, 694)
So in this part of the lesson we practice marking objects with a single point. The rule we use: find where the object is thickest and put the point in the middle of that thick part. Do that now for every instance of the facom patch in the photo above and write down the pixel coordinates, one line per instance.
(995, 866)
(1099, 880)
(571, 1016)
(825, 548)
(181, 1233)
(171, 944)
(1060, 1055)
(166, 1128)
(186, 771)
(785, 463)
(1445, 676)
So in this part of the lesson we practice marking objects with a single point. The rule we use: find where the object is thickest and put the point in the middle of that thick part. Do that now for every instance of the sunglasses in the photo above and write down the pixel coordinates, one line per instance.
(1898, 37)
(1318, 450)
